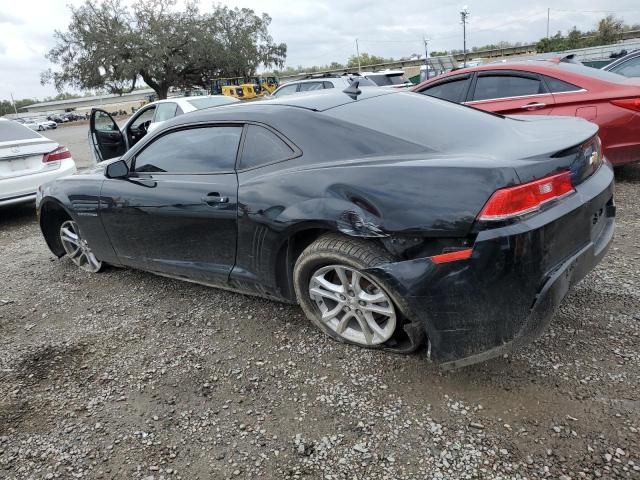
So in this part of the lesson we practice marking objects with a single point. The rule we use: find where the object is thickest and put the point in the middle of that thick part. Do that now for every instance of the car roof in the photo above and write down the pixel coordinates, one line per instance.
(570, 71)
(311, 102)
(320, 100)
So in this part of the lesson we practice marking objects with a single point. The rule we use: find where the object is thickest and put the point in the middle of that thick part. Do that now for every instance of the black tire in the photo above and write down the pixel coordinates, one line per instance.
(359, 254)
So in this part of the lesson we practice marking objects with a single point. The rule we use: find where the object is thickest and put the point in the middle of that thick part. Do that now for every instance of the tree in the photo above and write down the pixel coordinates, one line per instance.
(609, 30)
(574, 38)
(6, 106)
(111, 46)
(366, 60)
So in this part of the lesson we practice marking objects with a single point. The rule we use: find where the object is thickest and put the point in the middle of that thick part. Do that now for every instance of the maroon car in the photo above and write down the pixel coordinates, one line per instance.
(552, 88)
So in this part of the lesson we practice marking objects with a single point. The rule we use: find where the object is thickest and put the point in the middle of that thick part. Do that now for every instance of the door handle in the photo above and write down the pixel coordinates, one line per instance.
(534, 106)
(214, 198)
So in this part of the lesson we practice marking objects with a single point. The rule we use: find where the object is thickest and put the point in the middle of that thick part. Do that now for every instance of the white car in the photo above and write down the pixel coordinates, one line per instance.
(388, 78)
(27, 160)
(318, 82)
(108, 140)
(36, 125)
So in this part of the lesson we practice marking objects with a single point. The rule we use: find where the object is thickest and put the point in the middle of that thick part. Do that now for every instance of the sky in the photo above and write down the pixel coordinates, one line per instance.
(321, 31)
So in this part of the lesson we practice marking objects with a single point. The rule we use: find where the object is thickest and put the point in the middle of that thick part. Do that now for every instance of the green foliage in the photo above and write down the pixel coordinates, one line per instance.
(110, 46)
(6, 107)
(608, 30)
(366, 60)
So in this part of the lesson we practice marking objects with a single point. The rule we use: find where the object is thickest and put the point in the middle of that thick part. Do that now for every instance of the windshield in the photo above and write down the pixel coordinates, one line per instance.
(14, 131)
(388, 79)
(207, 102)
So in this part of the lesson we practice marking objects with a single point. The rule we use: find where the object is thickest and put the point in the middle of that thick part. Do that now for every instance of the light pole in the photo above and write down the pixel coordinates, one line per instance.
(464, 18)
(426, 55)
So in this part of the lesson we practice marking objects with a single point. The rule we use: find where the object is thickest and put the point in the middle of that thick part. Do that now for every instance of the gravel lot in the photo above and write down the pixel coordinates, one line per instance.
(128, 375)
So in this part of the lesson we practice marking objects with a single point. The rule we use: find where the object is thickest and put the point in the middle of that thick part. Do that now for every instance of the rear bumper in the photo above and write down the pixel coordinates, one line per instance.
(23, 188)
(507, 292)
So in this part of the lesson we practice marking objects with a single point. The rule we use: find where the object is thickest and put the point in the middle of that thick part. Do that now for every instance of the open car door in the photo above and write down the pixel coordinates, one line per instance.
(105, 138)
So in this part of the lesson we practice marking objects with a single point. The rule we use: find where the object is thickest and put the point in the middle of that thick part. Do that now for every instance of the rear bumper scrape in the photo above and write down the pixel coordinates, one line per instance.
(548, 299)
(506, 293)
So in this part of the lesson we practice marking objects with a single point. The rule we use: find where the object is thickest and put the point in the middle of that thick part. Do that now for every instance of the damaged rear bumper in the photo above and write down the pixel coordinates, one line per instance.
(506, 293)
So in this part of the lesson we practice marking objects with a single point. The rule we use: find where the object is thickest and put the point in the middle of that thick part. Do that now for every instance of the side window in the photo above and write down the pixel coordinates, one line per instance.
(559, 86)
(308, 86)
(262, 146)
(145, 116)
(286, 90)
(453, 90)
(165, 111)
(104, 122)
(327, 85)
(195, 150)
(630, 68)
(505, 86)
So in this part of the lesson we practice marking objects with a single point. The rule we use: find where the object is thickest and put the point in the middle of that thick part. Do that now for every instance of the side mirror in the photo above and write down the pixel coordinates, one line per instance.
(118, 169)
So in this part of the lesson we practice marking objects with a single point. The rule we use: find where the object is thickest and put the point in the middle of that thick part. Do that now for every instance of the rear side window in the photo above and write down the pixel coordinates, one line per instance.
(14, 131)
(558, 86)
(262, 146)
(165, 111)
(327, 85)
(308, 86)
(505, 86)
(196, 150)
(453, 90)
(630, 68)
(386, 80)
(286, 90)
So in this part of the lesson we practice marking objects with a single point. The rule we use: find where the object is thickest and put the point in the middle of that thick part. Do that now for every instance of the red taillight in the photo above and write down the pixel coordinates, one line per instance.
(628, 103)
(59, 153)
(452, 256)
(526, 198)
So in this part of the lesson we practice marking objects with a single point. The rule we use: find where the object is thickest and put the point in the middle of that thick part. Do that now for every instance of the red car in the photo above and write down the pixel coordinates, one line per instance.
(552, 88)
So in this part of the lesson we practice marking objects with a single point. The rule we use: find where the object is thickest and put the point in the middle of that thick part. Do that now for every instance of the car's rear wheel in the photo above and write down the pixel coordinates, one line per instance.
(77, 248)
(339, 298)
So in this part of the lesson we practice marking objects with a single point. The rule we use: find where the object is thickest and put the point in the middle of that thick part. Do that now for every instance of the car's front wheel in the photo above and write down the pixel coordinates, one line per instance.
(339, 298)
(77, 248)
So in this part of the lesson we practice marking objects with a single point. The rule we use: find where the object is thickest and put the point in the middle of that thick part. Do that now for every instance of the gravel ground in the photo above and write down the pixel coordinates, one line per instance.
(128, 375)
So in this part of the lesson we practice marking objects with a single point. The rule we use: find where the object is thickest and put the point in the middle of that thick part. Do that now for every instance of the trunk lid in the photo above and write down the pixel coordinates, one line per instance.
(24, 157)
(542, 145)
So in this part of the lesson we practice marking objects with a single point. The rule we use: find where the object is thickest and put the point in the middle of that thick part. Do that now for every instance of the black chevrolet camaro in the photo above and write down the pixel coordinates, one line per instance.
(394, 219)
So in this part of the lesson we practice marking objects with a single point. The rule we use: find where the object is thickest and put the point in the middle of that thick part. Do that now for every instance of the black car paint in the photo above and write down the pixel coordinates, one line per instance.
(412, 190)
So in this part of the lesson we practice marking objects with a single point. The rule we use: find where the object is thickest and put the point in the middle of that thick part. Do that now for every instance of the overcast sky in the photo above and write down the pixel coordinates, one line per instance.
(318, 32)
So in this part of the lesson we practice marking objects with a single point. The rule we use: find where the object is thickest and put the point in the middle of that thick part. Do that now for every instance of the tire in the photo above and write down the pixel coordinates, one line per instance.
(330, 253)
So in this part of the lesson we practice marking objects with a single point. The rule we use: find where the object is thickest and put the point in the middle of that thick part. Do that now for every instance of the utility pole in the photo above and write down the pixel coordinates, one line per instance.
(14, 104)
(464, 18)
(548, 18)
(358, 55)
(426, 55)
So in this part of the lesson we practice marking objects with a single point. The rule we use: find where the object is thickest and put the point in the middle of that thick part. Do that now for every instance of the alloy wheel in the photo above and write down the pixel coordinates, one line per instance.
(77, 248)
(353, 305)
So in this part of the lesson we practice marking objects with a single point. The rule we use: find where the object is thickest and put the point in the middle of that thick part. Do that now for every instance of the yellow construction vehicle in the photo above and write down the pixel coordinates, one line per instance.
(244, 88)
(269, 84)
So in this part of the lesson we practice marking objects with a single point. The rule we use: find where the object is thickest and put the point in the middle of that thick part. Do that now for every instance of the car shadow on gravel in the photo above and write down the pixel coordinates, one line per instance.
(628, 173)
(17, 215)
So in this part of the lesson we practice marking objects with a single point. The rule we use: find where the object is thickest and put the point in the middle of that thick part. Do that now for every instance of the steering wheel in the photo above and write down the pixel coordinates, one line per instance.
(144, 127)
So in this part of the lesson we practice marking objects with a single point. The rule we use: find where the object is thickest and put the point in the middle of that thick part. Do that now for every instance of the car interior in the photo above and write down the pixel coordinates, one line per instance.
(139, 126)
